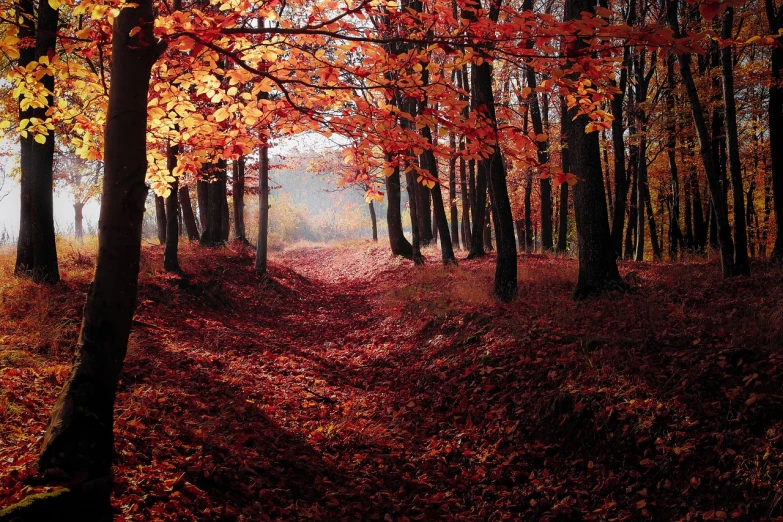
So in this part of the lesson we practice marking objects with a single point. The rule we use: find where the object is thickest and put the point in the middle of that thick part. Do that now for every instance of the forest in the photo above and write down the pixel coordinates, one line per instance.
(517, 260)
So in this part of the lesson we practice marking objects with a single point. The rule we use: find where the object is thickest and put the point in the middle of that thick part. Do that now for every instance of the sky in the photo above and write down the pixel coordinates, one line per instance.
(63, 205)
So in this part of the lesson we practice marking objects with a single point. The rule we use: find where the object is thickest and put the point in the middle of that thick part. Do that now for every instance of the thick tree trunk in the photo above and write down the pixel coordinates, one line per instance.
(725, 241)
(39, 179)
(597, 266)
(187, 213)
(170, 257)
(24, 244)
(741, 261)
(374, 221)
(263, 211)
(238, 189)
(78, 220)
(160, 218)
(399, 244)
(217, 207)
(425, 212)
(79, 438)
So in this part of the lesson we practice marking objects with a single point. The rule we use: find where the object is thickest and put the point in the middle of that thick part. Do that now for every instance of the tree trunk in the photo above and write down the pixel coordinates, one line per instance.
(399, 244)
(170, 258)
(597, 265)
(263, 210)
(410, 183)
(214, 233)
(79, 439)
(529, 245)
(202, 198)
(42, 245)
(238, 188)
(24, 244)
(160, 218)
(374, 222)
(187, 213)
(488, 229)
(741, 262)
(478, 211)
(631, 231)
(775, 20)
(675, 234)
(78, 220)
(464, 197)
(562, 233)
(453, 193)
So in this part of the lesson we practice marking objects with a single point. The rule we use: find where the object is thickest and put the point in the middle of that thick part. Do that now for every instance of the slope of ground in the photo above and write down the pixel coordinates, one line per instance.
(354, 386)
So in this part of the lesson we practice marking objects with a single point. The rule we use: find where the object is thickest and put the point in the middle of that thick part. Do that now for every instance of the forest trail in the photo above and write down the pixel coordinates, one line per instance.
(353, 386)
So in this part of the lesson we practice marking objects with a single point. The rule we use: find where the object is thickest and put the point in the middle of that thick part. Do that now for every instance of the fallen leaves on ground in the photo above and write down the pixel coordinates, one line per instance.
(355, 386)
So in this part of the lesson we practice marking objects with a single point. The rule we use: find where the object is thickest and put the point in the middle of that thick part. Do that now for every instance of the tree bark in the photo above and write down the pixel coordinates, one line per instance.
(597, 266)
(775, 20)
(263, 211)
(238, 189)
(374, 222)
(202, 198)
(675, 233)
(741, 261)
(399, 244)
(24, 244)
(78, 220)
(453, 193)
(160, 218)
(170, 257)
(79, 438)
(562, 233)
(187, 213)
(40, 234)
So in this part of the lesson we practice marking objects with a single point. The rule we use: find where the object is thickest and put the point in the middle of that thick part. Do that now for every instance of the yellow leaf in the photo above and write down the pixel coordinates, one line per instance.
(54, 4)
(133, 32)
(40, 138)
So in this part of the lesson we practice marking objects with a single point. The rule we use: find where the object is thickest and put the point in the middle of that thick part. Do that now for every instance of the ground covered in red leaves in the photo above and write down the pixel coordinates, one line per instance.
(353, 386)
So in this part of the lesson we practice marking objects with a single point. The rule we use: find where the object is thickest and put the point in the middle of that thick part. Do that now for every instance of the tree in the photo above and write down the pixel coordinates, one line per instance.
(79, 438)
(597, 266)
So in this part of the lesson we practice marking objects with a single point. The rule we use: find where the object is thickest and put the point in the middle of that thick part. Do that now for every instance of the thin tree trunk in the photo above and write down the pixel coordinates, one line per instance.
(78, 219)
(453, 193)
(374, 222)
(238, 189)
(263, 211)
(741, 262)
(675, 234)
(160, 218)
(202, 197)
(562, 233)
(79, 439)
(170, 257)
(187, 213)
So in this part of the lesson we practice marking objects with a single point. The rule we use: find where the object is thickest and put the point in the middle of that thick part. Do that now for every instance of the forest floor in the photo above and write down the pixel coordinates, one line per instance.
(354, 386)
